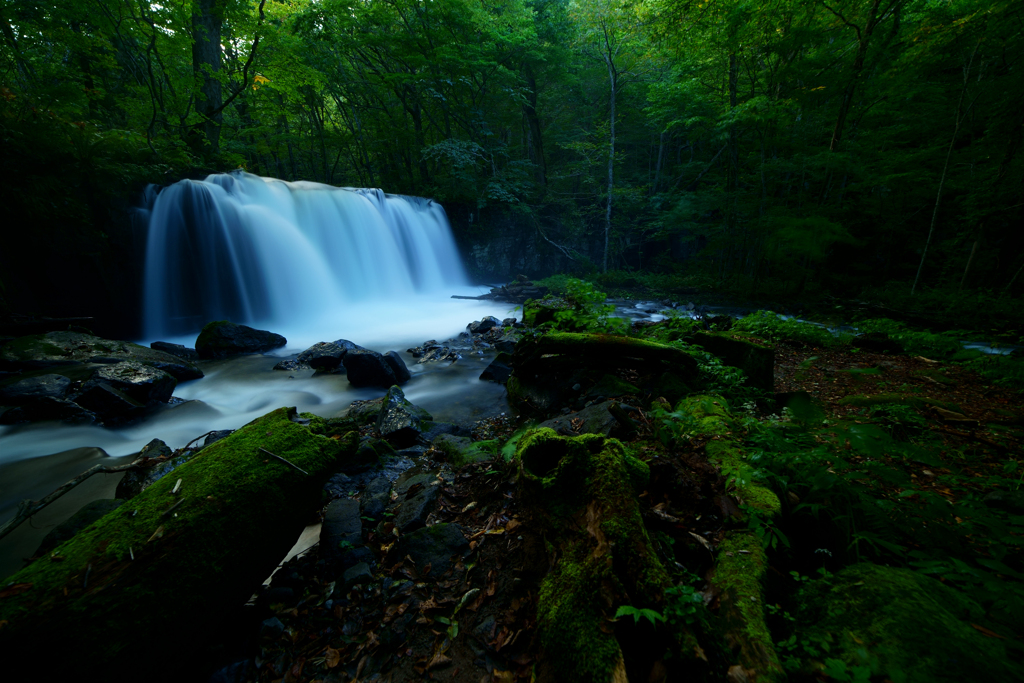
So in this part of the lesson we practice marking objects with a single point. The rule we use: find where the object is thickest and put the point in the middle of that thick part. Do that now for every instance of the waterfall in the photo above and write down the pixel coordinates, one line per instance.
(266, 252)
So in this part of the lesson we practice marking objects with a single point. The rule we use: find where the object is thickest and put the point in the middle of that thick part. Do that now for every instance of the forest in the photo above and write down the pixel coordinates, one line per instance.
(756, 415)
(777, 148)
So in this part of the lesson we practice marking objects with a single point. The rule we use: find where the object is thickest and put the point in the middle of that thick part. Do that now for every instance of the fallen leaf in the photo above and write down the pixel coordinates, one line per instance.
(512, 525)
(438, 661)
(503, 676)
(333, 657)
(990, 634)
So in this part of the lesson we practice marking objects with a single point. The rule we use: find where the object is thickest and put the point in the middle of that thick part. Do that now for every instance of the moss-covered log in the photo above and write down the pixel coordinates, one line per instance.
(546, 368)
(583, 491)
(174, 559)
(740, 561)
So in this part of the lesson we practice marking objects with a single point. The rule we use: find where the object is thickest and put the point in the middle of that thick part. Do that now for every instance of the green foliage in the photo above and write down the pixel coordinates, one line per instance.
(582, 308)
(771, 326)
(639, 613)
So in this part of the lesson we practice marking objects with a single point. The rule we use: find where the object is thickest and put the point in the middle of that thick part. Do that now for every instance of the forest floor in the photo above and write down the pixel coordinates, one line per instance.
(961, 440)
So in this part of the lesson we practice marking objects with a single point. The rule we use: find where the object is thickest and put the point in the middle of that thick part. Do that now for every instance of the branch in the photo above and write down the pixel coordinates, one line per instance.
(245, 68)
(564, 250)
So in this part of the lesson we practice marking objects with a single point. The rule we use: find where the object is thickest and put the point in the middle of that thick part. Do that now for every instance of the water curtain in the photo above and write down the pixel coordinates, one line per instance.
(266, 252)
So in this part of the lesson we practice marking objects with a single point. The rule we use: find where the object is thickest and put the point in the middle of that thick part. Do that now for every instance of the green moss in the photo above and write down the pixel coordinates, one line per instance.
(730, 457)
(902, 625)
(711, 412)
(610, 385)
(589, 481)
(739, 571)
(237, 512)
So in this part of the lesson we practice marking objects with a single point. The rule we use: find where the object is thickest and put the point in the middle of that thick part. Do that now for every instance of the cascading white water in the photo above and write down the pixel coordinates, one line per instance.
(265, 252)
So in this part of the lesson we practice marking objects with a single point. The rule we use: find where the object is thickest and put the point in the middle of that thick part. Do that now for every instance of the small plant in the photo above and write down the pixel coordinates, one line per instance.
(639, 613)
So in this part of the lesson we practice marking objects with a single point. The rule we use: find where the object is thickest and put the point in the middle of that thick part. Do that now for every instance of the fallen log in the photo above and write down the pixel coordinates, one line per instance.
(174, 560)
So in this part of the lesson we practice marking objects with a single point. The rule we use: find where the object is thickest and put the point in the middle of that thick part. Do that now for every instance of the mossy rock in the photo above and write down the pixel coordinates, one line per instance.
(536, 312)
(757, 361)
(65, 353)
(222, 338)
(170, 562)
(610, 386)
(903, 626)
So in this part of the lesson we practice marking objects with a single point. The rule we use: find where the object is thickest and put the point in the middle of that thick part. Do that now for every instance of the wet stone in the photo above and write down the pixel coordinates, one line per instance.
(413, 513)
(398, 366)
(177, 350)
(435, 546)
(399, 421)
(142, 383)
(43, 386)
(342, 529)
(367, 368)
(358, 575)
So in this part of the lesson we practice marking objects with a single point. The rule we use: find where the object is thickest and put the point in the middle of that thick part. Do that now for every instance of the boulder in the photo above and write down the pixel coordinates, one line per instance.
(109, 404)
(367, 368)
(143, 570)
(322, 356)
(85, 516)
(402, 374)
(375, 498)
(436, 429)
(755, 360)
(221, 339)
(358, 575)
(365, 412)
(287, 365)
(434, 547)
(499, 369)
(30, 388)
(399, 421)
(177, 350)
(480, 326)
(141, 383)
(342, 530)
(413, 512)
(135, 482)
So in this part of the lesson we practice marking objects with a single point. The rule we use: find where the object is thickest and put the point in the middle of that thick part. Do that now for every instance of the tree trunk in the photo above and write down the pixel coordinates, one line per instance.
(612, 81)
(207, 20)
(945, 168)
(536, 146)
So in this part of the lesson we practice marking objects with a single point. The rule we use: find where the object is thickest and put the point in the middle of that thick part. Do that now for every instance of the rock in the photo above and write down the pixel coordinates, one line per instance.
(596, 419)
(413, 480)
(322, 356)
(135, 482)
(288, 365)
(357, 576)
(375, 498)
(177, 350)
(85, 516)
(412, 514)
(221, 339)
(451, 445)
(367, 368)
(499, 369)
(367, 456)
(1010, 501)
(434, 546)
(108, 403)
(460, 450)
(214, 437)
(362, 554)
(271, 629)
(42, 409)
(365, 412)
(342, 529)
(508, 322)
(399, 421)
(438, 354)
(41, 386)
(436, 429)
(755, 360)
(69, 349)
(398, 366)
(480, 326)
(141, 383)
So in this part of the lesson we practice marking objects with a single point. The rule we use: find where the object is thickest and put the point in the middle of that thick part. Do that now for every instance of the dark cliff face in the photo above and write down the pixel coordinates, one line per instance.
(80, 256)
